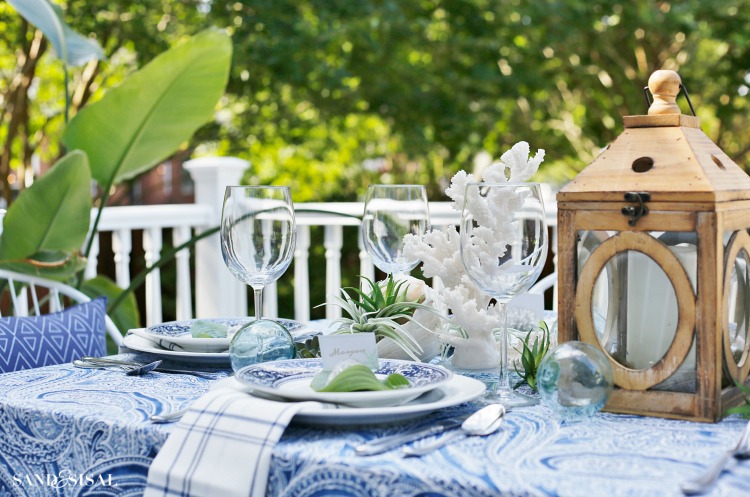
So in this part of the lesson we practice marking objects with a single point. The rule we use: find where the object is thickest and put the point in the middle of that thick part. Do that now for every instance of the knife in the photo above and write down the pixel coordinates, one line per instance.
(380, 445)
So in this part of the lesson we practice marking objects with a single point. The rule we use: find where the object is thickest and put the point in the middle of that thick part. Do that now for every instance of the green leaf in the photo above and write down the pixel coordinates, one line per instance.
(745, 390)
(126, 316)
(365, 301)
(357, 378)
(376, 298)
(396, 380)
(532, 355)
(72, 48)
(308, 349)
(743, 411)
(144, 120)
(399, 340)
(320, 380)
(52, 214)
(58, 266)
(207, 329)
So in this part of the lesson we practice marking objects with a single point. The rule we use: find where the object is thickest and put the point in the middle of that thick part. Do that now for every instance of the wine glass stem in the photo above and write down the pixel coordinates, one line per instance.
(503, 384)
(258, 293)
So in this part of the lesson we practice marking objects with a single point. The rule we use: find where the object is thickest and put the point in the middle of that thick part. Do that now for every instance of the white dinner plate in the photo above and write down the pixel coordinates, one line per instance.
(140, 344)
(291, 379)
(457, 390)
(176, 335)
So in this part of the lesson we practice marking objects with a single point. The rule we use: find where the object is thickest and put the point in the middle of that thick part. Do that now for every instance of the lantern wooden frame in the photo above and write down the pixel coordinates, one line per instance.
(694, 187)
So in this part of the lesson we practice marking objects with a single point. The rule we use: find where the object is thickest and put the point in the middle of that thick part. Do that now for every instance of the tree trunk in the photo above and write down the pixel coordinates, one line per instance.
(16, 106)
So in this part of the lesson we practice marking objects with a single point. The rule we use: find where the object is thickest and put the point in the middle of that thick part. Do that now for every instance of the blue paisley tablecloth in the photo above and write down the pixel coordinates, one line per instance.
(74, 432)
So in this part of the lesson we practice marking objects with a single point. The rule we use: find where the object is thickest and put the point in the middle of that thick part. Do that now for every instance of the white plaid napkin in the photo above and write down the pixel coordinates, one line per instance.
(221, 447)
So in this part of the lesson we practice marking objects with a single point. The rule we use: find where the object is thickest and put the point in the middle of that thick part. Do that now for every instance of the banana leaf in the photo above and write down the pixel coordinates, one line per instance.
(72, 48)
(52, 215)
(154, 111)
(52, 265)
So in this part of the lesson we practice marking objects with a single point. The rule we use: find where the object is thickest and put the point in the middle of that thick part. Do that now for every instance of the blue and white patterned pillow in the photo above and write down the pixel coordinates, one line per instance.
(35, 341)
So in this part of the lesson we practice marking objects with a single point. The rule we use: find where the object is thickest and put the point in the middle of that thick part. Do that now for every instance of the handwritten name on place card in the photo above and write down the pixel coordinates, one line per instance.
(359, 347)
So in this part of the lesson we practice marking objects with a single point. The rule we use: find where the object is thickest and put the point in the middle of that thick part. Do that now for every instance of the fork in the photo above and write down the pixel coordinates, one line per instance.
(703, 483)
(105, 362)
(138, 370)
(130, 370)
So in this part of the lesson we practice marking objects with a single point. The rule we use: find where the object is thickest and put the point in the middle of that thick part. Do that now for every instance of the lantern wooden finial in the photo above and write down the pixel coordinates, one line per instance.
(664, 85)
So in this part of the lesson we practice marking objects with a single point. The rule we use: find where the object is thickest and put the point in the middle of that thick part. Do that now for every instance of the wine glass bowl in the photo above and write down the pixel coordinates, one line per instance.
(390, 213)
(258, 234)
(504, 246)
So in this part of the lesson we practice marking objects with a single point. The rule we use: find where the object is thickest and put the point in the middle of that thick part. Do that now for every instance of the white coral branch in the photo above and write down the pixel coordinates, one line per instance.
(440, 252)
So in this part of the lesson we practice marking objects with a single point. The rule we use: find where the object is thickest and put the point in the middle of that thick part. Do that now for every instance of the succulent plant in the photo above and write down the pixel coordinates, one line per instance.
(308, 348)
(743, 409)
(532, 355)
(383, 310)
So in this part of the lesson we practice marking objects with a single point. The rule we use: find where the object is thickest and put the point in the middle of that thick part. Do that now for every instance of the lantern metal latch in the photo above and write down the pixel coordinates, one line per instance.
(635, 212)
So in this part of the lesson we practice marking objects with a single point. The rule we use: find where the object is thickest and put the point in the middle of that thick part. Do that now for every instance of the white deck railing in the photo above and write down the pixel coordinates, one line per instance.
(204, 287)
(152, 221)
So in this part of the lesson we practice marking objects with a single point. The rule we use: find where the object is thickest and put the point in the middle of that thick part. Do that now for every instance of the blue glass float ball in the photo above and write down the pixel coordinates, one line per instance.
(260, 341)
(575, 380)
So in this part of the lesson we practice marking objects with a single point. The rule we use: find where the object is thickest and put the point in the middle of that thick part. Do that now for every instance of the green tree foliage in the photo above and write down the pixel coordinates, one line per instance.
(32, 81)
(330, 95)
(445, 79)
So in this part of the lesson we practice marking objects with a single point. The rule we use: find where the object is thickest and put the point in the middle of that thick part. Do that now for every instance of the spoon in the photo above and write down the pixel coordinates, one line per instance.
(483, 422)
(167, 418)
(703, 483)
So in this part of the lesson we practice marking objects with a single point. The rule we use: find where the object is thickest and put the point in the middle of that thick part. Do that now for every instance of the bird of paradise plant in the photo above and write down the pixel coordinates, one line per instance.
(130, 130)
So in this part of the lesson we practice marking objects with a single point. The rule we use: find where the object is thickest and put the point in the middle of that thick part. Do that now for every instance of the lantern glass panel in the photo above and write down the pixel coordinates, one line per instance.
(738, 309)
(638, 328)
(634, 303)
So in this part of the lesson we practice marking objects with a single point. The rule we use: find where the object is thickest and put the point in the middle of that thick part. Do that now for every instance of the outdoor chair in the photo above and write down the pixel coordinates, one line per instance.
(46, 322)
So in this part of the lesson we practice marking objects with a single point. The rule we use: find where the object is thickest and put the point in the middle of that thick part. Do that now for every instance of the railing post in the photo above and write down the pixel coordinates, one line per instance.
(333, 240)
(217, 292)
(184, 309)
(92, 261)
(152, 245)
(122, 246)
(302, 274)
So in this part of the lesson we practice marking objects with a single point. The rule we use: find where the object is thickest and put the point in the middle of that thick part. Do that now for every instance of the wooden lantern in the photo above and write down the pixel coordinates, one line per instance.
(654, 264)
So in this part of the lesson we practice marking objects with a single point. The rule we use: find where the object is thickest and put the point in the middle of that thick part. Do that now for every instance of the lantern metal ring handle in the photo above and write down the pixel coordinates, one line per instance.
(649, 101)
(665, 85)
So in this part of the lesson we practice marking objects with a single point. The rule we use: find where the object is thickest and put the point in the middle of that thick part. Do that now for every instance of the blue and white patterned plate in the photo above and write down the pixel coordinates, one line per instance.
(175, 335)
(457, 390)
(291, 379)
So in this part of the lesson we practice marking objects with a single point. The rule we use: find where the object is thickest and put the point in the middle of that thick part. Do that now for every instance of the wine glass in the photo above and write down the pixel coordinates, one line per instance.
(258, 234)
(392, 211)
(503, 249)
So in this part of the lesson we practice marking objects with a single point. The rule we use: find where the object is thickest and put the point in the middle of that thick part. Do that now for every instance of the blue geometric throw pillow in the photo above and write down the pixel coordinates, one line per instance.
(35, 341)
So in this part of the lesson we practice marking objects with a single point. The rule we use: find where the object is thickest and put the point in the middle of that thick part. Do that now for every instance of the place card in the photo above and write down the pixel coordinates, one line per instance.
(358, 347)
